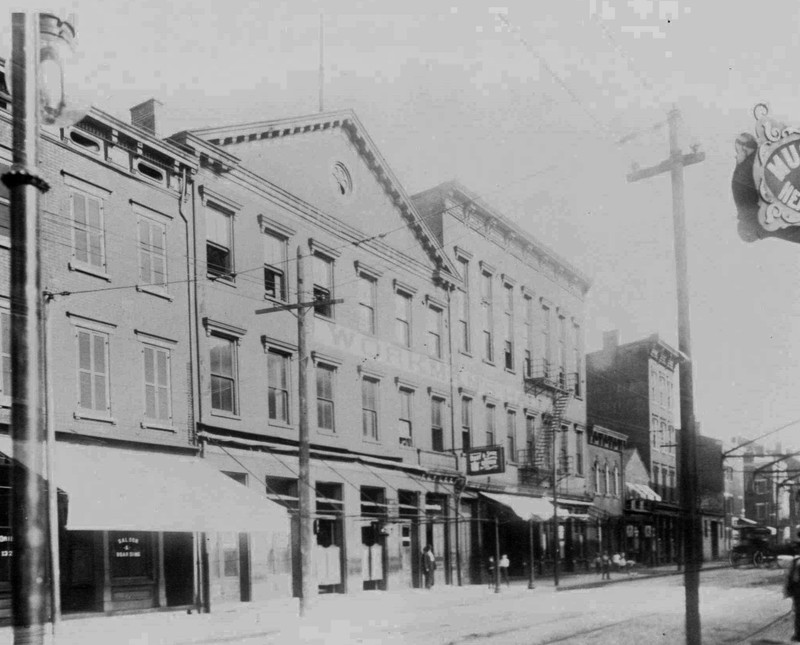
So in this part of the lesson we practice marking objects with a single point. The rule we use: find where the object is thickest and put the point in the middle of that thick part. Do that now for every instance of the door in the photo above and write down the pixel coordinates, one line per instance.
(79, 579)
(178, 569)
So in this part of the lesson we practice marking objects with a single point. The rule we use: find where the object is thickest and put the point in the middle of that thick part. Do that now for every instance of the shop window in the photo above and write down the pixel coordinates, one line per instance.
(229, 546)
(130, 554)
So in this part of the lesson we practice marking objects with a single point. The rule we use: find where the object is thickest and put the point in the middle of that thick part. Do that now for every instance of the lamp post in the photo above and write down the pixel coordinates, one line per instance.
(40, 43)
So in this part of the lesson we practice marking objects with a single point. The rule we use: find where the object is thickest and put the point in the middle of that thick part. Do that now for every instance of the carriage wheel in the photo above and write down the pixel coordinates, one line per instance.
(758, 559)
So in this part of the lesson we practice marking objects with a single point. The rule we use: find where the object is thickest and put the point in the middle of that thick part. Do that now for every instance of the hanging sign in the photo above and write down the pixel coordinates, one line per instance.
(766, 180)
(486, 461)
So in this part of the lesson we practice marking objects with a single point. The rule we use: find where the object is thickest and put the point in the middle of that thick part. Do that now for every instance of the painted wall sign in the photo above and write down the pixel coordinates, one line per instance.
(486, 461)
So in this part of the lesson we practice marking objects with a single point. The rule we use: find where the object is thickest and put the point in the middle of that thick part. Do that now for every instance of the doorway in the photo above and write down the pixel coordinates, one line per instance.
(178, 569)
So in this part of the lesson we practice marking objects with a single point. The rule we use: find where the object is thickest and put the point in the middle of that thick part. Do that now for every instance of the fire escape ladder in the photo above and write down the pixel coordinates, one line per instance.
(544, 446)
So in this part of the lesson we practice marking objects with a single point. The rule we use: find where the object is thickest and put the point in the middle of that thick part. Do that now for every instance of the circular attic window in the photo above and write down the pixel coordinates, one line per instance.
(341, 179)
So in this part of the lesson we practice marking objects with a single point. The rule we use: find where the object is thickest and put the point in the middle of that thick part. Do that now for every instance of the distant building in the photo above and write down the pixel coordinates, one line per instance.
(606, 472)
(710, 490)
(632, 389)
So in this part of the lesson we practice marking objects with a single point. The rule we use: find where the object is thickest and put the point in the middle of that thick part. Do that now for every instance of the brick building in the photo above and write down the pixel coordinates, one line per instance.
(632, 388)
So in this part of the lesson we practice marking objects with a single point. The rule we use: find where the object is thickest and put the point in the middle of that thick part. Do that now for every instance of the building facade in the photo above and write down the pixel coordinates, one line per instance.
(632, 388)
(606, 449)
(516, 321)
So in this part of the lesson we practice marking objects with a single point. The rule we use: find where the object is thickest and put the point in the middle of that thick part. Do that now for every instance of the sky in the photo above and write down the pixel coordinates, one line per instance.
(525, 103)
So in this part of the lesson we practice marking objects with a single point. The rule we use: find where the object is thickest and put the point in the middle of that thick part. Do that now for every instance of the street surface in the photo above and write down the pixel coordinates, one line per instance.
(737, 606)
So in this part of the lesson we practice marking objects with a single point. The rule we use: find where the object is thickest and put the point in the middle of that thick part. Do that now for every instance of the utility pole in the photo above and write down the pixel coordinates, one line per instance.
(692, 537)
(29, 515)
(304, 497)
(554, 483)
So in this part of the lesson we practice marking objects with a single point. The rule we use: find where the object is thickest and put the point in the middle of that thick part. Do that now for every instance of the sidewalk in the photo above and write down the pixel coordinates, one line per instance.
(277, 621)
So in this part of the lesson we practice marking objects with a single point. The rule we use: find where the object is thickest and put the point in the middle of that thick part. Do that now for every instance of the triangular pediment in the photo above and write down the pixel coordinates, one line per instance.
(329, 161)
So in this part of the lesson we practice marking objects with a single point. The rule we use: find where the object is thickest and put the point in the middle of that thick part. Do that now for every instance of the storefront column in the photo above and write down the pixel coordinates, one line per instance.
(107, 597)
(162, 587)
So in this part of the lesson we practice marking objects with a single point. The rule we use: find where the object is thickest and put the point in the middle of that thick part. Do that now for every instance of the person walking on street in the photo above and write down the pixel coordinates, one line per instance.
(490, 569)
(605, 566)
(428, 565)
(504, 564)
(791, 589)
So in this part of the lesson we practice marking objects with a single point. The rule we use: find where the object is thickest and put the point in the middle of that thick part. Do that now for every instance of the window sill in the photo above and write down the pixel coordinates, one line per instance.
(221, 279)
(509, 370)
(5, 401)
(88, 269)
(89, 416)
(488, 362)
(154, 425)
(225, 414)
(274, 300)
(466, 353)
(276, 423)
(327, 432)
(154, 291)
(374, 442)
(325, 318)
(5, 242)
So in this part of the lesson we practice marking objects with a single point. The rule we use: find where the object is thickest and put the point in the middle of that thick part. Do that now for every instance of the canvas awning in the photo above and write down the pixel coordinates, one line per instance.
(642, 491)
(743, 520)
(115, 489)
(537, 509)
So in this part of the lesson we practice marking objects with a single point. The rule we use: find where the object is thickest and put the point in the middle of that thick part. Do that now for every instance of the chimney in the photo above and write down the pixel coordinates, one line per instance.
(610, 340)
(147, 116)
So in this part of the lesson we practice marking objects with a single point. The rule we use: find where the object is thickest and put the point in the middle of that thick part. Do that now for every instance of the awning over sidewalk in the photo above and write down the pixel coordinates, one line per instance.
(537, 509)
(115, 489)
(642, 491)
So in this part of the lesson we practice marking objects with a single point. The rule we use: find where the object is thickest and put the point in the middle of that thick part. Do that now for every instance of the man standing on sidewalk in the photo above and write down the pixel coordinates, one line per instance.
(791, 590)
(428, 565)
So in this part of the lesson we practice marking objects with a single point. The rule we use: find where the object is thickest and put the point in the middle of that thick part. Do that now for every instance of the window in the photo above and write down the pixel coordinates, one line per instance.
(5, 353)
(434, 332)
(672, 490)
(508, 313)
(579, 451)
(322, 269)
(437, 427)
(511, 436)
(5, 205)
(653, 385)
(654, 431)
(606, 482)
(369, 408)
(325, 408)
(219, 247)
(760, 486)
(278, 385)
(405, 422)
(577, 344)
(546, 341)
(530, 436)
(87, 222)
(157, 397)
(490, 427)
(527, 366)
(463, 308)
(656, 473)
(596, 477)
(466, 423)
(402, 318)
(367, 294)
(562, 351)
(229, 545)
(616, 481)
(761, 511)
(93, 371)
(486, 308)
(130, 554)
(224, 396)
(275, 264)
(152, 252)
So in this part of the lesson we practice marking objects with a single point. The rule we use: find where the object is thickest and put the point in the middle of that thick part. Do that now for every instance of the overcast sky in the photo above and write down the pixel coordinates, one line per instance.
(526, 110)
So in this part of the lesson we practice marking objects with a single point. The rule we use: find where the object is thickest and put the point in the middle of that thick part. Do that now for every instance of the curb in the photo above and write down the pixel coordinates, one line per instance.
(631, 578)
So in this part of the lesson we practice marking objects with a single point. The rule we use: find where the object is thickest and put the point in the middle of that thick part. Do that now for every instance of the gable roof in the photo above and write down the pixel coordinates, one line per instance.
(349, 123)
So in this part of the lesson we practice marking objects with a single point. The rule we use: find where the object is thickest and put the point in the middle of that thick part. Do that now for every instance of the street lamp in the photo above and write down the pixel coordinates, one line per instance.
(40, 47)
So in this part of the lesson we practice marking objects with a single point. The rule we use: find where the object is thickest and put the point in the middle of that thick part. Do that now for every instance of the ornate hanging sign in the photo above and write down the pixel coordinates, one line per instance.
(766, 180)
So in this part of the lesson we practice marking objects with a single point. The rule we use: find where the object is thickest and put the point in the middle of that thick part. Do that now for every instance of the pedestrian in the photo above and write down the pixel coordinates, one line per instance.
(615, 561)
(504, 564)
(490, 569)
(605, 566)
(428, 565)
(791, 589)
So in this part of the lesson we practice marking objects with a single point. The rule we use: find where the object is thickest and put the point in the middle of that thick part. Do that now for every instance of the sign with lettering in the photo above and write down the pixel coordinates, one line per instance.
(486, 461)
(766, 181)
(127, 547)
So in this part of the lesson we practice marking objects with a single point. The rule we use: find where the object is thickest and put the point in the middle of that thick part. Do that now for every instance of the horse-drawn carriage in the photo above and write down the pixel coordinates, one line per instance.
(757, 545)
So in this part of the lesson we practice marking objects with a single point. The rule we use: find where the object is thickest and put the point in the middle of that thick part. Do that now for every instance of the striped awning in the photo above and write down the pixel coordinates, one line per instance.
(537, 509)
(642, 491)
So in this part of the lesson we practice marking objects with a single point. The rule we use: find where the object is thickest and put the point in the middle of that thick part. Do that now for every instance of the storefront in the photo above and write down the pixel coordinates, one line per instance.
(137, 528)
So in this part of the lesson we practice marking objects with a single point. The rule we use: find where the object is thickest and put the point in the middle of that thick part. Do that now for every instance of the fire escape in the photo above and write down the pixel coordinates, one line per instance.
(536, 464)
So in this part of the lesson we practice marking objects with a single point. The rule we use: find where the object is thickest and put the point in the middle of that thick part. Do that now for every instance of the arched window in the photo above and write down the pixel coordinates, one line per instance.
(616, 481)
(606, 487)
(596, 469)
